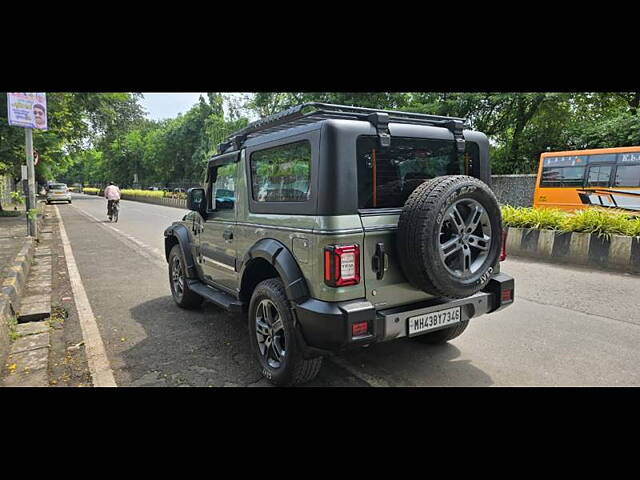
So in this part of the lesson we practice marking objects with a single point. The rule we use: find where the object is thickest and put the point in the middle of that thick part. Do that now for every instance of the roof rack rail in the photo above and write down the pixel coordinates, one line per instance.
(313, 112)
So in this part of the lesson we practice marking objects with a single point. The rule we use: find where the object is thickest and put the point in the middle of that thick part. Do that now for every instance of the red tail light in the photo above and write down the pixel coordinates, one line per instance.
(342, 265)
(503, 248)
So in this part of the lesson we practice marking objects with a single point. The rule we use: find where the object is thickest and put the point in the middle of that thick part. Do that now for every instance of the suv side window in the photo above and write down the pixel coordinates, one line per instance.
(282, 173)
(223, 191)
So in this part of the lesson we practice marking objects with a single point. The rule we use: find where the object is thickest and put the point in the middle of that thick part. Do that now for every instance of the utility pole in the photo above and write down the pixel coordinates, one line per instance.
(31, 180)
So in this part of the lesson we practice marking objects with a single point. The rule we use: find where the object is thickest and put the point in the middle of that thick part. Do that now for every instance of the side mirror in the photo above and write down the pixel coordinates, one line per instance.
(196, 200)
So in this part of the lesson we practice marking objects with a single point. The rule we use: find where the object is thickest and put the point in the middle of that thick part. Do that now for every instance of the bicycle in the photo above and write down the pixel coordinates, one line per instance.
(115, 208)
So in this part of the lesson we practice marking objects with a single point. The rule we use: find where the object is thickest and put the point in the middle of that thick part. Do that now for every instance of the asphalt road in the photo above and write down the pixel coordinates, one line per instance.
(569, 326)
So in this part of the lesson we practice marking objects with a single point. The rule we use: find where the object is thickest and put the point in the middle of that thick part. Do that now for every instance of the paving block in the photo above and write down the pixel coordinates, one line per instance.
(31, 328)
(39, 378)
(26, 362)
(38, 298)
(30, 342)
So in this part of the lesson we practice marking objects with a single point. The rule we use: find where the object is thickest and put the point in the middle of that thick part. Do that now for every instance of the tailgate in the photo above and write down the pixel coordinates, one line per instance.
(392, 289)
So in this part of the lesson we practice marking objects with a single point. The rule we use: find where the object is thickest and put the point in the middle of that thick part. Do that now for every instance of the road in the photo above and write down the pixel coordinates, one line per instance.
(569, 326)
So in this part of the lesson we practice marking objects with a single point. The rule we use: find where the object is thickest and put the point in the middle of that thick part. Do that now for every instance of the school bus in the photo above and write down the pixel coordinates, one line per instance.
(604, 177)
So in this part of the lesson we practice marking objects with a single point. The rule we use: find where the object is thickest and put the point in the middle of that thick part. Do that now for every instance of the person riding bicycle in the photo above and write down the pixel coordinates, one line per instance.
(112, 194)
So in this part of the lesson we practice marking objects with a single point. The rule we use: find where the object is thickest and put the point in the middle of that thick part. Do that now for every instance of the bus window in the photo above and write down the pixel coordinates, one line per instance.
(627, 176)
(628, 157)
(562, 176)
(599, 175)
(603, 158)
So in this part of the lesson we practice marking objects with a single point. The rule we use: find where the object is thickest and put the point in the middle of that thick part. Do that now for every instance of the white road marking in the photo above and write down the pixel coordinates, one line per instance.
(142, 248)
(101, 373)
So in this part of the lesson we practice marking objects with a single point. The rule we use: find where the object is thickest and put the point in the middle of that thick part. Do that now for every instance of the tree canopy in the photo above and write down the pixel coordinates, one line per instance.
(94, 138)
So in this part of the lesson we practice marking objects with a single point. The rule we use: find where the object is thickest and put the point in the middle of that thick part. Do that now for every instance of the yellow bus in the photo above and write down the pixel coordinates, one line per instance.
(604, 177)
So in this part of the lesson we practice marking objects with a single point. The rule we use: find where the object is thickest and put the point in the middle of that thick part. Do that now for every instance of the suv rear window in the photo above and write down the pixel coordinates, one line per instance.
(387, 176)
(57, 186)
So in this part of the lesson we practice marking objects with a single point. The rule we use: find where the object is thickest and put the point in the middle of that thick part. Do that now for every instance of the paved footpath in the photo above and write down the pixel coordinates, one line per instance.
(569, 326)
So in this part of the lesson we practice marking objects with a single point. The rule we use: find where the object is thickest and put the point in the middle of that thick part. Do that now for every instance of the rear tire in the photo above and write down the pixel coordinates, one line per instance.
(182, 295)
(442, 336)
(277, 350)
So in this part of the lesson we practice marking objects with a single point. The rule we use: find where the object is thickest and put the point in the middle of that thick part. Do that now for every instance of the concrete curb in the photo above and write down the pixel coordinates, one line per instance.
(10, 291)
(617, 252)
(13, 284)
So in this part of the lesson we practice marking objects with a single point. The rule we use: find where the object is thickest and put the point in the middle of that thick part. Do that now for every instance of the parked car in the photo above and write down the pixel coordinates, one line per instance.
(58, 192)
(342, 227)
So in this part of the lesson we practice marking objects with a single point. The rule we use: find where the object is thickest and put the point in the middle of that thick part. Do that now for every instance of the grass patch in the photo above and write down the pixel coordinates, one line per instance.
(58, 315)
(12, 323)
(600, 222)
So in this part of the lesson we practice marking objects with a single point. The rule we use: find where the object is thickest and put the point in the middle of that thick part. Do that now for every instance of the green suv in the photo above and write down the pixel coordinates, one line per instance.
(334, 227)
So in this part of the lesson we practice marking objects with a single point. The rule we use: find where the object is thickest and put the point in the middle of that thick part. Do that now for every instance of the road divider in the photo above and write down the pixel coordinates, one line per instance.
(607, 252)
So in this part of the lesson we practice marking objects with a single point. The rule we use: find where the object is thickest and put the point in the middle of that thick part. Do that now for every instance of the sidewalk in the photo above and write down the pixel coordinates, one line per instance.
(13, 231)
(16, 256)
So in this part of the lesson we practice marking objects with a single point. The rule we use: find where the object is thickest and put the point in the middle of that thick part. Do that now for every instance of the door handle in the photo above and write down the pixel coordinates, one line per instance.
(380, 261)
(227, 235)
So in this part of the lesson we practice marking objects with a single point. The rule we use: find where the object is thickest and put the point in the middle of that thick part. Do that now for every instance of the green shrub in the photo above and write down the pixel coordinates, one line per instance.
(548, 219)
(600, 222)
(142, 193)
(591, 220)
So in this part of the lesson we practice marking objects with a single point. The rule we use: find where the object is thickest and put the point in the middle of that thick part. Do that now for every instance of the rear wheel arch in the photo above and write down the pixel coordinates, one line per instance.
(269, 256)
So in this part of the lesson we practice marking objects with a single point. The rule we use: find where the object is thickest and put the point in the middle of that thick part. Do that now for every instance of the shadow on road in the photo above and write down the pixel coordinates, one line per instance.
(210, 347)
(201, 347)
(405, 362)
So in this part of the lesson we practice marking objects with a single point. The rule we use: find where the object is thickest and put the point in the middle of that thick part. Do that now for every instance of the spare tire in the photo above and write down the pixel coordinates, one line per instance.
(449, 236)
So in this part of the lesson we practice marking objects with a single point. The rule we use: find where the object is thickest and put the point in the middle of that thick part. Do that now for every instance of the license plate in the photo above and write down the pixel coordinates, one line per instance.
(433, 320)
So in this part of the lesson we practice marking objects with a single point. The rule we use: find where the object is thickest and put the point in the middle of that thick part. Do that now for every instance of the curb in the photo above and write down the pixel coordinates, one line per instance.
(12, 286)
(616, 252)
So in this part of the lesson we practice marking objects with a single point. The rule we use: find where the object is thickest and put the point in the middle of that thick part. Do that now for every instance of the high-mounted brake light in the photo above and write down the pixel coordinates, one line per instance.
(342, 265)
(503, 247)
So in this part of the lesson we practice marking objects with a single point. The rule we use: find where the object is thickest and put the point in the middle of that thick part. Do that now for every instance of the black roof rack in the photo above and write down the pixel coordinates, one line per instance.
(314, 112)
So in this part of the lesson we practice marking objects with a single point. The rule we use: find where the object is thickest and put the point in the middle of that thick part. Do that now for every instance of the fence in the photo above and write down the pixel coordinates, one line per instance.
(6, 187)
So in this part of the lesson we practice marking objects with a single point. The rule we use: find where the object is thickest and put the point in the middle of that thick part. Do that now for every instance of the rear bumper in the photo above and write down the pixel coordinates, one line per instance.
(326, 327)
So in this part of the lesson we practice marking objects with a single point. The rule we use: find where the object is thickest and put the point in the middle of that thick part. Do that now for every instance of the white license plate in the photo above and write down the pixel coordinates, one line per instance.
(433, 320)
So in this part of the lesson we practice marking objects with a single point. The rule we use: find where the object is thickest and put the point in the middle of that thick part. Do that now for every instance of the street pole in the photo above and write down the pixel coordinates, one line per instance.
(31, 204)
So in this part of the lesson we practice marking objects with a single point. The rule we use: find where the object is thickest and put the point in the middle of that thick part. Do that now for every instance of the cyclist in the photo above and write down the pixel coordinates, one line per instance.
(112, 194)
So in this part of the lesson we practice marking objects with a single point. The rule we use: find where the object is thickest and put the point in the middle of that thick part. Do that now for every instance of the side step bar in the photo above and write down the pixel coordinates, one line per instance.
(218, 297)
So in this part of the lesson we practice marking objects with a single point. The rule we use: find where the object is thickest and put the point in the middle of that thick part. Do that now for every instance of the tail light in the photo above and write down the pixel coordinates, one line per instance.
(503, 247)
(342, 265)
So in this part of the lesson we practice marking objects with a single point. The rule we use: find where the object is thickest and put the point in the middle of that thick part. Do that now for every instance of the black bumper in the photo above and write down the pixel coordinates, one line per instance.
(326, 327)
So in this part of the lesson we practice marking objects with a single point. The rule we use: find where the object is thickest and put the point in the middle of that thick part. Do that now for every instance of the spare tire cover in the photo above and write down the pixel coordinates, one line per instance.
(449, 236)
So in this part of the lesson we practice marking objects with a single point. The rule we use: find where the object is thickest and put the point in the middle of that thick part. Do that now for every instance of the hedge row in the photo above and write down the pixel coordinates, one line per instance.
(139, 193)
(591, 220)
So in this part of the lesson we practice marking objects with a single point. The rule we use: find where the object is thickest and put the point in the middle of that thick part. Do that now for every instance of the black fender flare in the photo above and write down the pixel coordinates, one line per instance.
(281, 258)
(181, 234)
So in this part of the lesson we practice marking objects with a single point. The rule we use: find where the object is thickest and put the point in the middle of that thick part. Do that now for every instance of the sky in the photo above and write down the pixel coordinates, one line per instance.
(167, 105)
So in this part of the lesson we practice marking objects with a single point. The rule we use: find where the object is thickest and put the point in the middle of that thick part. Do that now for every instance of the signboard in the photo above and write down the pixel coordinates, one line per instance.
(27, 110)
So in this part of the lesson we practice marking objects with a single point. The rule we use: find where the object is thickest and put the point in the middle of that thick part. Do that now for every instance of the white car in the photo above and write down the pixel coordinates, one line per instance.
(58, 192)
